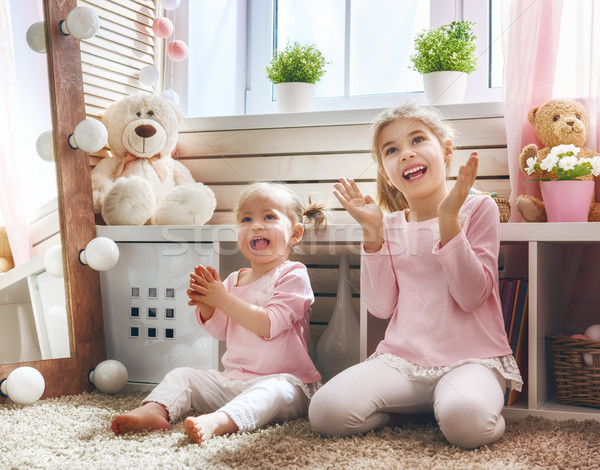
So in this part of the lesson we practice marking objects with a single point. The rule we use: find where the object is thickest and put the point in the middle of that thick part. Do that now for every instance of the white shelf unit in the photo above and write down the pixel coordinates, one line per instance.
(543, 243)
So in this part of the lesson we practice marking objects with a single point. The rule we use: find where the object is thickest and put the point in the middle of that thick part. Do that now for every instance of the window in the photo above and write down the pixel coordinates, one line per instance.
(496, 57)
(368, 43)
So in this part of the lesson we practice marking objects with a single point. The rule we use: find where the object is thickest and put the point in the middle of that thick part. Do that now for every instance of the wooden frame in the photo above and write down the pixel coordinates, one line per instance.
(69, 376)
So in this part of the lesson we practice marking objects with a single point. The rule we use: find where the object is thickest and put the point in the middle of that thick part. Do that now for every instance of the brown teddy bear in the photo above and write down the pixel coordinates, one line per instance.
(6, 258)
(556, 122)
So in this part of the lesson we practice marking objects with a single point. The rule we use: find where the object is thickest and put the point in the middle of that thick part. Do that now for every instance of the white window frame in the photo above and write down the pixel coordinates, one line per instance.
(259, 45)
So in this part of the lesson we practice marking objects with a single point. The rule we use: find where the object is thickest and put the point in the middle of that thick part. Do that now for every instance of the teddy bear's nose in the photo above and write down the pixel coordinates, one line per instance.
(145, 131)
(570, 123)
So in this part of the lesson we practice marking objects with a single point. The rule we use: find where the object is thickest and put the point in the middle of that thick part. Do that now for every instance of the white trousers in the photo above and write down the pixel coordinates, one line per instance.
(250, 404)
(467, 402)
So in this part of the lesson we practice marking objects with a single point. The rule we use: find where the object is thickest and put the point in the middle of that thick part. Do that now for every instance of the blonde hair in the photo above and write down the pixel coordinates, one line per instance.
(311, 213)
(388, 197)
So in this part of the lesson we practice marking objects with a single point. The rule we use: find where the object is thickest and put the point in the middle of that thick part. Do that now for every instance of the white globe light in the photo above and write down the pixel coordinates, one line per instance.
(170, 4)
(36, 37)
(45, 146)
(81, 23)
(100, 254)
(109, 376)
(89, 135)
(53, 261)
(171, 96)
(149, 75)
(24, 385)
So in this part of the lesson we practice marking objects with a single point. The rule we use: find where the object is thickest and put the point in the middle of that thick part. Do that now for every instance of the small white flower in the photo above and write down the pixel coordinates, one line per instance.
(568, 163)
(531, 161)
(595, 162)
(549, 162)
(563, 149)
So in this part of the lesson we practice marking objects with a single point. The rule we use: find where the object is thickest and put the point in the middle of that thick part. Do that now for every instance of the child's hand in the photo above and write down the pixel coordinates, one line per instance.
(448, 209)
(362, 208)
(196, 298)
(206, 287)
(194, 295)
(452, 203)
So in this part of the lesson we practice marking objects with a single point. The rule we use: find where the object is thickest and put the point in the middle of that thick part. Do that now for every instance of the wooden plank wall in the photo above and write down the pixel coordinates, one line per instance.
(310, 160)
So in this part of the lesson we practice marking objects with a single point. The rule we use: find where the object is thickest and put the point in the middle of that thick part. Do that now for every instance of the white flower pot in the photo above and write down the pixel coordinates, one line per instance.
(445, 87)
(294, 97)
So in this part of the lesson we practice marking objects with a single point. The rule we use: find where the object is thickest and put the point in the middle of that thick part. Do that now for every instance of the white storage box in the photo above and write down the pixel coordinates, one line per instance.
(149, 326)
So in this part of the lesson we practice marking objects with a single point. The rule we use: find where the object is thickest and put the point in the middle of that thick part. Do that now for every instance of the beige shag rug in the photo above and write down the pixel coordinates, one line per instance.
(73, 433)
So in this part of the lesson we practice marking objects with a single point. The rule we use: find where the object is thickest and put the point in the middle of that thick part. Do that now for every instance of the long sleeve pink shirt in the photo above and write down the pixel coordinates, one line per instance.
(286, 294)
(442, 302)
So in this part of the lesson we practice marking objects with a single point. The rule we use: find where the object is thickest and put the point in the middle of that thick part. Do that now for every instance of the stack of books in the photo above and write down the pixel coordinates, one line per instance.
(514, 298)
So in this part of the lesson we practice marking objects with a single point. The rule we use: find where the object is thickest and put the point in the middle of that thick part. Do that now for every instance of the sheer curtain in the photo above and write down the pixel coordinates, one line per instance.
(554, 52)
(11, 205)
(27, 182)
(531, 33)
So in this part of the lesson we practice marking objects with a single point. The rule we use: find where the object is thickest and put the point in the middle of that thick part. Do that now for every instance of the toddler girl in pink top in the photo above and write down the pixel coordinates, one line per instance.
(262, 313)
(430, 268)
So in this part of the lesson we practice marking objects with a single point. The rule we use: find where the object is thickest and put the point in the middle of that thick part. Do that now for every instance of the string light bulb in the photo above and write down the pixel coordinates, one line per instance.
(177, 50)
(170, 4)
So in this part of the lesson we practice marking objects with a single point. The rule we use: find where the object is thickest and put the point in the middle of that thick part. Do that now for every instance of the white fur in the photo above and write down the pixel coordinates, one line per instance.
(138, 195)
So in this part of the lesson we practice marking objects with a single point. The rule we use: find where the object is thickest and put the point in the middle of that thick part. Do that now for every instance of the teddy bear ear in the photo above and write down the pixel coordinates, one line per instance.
(532, 113)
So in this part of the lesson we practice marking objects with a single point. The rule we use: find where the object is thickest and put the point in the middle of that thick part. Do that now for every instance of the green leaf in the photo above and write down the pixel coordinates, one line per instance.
(537, 179)
(449, 47)
(296, 63)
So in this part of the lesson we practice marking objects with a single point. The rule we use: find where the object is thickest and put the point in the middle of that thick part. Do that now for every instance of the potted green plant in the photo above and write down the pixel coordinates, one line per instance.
(445, 56)
(294, 72)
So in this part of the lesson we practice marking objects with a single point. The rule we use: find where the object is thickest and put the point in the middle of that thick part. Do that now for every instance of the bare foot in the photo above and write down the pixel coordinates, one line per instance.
(151, 416)
(203, 427)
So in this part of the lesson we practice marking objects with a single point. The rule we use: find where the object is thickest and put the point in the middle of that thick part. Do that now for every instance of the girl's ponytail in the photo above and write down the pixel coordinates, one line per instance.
(315, 213)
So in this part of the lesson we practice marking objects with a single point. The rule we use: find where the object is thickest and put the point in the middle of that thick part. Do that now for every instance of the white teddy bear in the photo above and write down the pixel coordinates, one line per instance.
(142, 183)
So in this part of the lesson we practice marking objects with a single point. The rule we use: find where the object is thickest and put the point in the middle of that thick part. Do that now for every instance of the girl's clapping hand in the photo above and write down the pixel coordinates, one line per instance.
(451, 204)
(362, 208)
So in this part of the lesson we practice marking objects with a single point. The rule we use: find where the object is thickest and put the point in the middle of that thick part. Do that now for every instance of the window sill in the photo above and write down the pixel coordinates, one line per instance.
(328, 118)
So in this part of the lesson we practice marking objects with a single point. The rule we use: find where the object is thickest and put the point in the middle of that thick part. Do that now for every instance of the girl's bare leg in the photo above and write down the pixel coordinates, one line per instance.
(151, 416)
(203, 427)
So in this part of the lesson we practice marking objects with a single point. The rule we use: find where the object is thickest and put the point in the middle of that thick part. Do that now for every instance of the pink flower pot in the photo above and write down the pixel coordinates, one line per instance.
(567, 201)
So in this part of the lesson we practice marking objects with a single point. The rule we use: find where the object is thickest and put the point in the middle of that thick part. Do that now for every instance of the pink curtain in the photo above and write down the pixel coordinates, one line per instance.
(11, 173)
(530, 43)
(538, 35)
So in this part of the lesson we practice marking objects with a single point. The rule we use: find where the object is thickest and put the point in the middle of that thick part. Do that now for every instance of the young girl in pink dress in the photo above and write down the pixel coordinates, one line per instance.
(430, 269)
(262, 312)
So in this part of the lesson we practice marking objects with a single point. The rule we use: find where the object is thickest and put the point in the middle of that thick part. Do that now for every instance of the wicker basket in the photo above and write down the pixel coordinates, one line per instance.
(503, 207)
(502, 203)
(577, 383)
